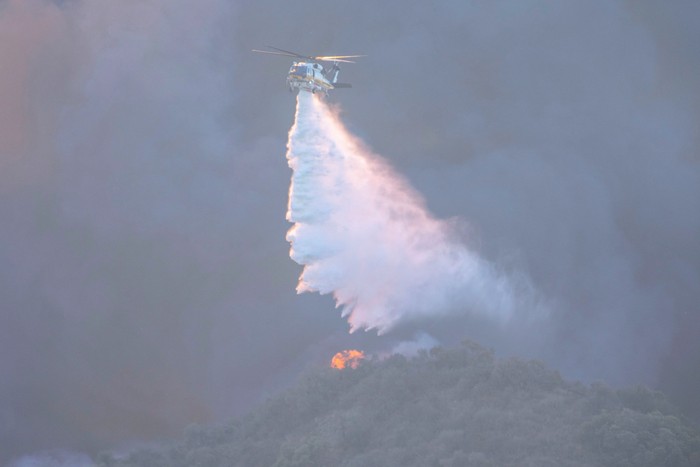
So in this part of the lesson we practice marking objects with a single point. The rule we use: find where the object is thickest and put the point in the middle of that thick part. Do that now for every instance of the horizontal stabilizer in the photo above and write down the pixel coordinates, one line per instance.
(342, 85)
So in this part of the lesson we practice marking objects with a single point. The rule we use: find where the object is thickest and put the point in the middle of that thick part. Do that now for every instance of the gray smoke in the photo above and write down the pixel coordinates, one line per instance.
(144, 275)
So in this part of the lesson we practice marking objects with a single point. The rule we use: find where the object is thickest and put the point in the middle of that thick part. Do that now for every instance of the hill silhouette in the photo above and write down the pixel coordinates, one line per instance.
(457, 407)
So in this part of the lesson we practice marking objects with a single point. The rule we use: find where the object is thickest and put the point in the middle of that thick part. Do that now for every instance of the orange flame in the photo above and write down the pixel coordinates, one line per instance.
(347, 358)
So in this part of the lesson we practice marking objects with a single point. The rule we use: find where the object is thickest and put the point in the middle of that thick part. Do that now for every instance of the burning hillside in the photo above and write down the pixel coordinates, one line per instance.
(443, 407)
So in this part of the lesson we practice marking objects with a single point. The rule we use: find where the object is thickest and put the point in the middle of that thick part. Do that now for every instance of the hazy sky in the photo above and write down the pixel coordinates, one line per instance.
(145, 279)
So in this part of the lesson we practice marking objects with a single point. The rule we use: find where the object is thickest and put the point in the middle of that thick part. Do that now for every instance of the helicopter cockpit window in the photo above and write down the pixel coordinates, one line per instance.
(298, 70)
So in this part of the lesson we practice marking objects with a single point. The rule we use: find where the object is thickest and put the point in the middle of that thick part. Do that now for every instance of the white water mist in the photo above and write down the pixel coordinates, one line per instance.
(364, 235)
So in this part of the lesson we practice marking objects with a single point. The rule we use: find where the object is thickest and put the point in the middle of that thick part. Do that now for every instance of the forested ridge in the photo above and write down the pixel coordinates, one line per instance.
(456, 407)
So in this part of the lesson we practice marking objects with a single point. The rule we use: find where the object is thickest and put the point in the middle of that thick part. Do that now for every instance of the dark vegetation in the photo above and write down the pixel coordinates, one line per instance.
(459, 407)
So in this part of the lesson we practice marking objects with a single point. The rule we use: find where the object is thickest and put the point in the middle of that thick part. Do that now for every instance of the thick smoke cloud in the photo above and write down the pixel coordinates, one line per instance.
(144, 276)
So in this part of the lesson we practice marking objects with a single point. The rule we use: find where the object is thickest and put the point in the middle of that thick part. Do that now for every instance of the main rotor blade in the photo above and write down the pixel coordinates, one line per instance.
(324, 59)
(335, 57)
(294, 54)
(273, 53)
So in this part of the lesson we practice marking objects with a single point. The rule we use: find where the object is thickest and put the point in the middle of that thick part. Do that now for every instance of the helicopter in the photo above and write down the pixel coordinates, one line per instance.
(307, 74)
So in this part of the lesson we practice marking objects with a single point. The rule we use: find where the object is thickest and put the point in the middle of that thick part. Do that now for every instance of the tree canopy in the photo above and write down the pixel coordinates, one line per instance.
(456, 407)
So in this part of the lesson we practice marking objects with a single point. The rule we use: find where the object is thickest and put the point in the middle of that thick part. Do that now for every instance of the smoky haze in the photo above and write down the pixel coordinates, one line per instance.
(145, 279)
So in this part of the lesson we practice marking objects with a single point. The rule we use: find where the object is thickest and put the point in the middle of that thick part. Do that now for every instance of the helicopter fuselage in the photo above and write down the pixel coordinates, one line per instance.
(308, 76)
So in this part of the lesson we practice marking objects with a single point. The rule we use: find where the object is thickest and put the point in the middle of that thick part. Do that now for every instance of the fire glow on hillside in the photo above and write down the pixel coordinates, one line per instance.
(347, 358)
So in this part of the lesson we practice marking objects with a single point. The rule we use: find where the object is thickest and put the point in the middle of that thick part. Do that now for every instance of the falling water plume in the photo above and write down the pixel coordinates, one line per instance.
(365, 236)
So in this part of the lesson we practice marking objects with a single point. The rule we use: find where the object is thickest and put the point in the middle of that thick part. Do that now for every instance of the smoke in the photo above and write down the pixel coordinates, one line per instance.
(421, 341)
(53, 459)
(144, 279)
(365, 236)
